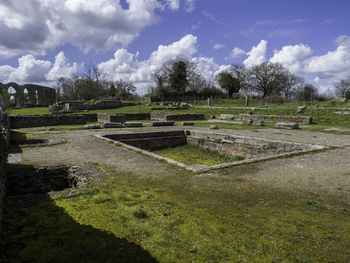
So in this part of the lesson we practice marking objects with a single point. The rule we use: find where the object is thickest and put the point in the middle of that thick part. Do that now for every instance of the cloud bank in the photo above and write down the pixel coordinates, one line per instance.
(34, 26)
(323, 70)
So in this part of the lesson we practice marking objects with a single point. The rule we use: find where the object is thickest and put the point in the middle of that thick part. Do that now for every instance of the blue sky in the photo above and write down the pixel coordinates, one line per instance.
(42, 40)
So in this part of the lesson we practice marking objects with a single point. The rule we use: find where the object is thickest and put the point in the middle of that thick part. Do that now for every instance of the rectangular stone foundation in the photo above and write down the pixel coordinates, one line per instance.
(252, 149)
(151, 140)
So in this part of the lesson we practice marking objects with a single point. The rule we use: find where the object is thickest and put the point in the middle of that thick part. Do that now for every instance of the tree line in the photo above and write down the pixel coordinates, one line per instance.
(91, 84)
(180, 77)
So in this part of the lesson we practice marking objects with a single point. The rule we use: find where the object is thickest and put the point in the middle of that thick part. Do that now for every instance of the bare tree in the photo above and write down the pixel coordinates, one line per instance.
(267, 78)
(196, 83)
(125, 90)
(291, 84)
(342, 88)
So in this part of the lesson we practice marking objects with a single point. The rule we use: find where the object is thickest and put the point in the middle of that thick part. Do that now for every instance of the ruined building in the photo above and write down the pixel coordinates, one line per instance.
(28, 95)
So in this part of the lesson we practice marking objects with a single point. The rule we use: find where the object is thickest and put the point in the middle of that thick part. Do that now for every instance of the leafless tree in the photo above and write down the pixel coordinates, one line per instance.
(267, 78)
(342, 88)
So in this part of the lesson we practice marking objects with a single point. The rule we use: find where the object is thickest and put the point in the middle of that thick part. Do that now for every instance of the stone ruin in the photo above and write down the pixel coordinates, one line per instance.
(28, 95)
(252, 149)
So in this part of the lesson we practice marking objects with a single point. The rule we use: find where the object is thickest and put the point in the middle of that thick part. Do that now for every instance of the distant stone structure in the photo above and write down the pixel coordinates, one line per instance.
(75, 106)
(29, 95)
(4, 140)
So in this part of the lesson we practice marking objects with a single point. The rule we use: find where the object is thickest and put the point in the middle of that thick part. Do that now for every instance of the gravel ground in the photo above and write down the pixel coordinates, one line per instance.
(323, 173)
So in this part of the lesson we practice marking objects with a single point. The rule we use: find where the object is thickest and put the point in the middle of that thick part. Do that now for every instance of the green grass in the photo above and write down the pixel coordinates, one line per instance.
(57, 128)
(181, 218)
(30, 111)
(193, 155)
(322, 112)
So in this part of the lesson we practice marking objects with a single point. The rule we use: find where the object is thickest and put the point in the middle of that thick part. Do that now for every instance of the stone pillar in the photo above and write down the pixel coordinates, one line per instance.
(19, 97)
(31, 95)
(41, 97)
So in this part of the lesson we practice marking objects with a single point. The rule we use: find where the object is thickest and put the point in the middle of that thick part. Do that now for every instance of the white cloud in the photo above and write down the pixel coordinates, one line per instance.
(61, 68)
(218, 46)
(173, 4)
(213, 18)
(206, 66)
(196, 26)
(334, 63)
(33, 26)
(291, 57)
(5, 72)
(120, 67)
(323, 71)
(32, 70)
(190, 5)
(125, 65)
(256, 55)
(237, 52)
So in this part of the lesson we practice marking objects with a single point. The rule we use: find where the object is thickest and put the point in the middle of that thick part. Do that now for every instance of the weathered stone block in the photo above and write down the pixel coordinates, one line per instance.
(163, 123)
(113, 125)
(227, 117)
(247, 122)
(253, 122)
(133, 124)
(106, 117)
(189, 117)
(301, 109)
(287, 125)
(342, 112)
(92, 126)
(187, 124)
(25, 121)
(213, 127)
(276, 118)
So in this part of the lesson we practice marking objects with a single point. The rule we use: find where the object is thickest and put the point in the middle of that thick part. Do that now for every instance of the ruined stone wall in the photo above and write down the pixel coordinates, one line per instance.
(274, 118)
(106, 117)
(176, 117)
(98, 106)
(158, 115)
(184, 117)
(4, 139)
(30, 95)
(151, 140)
(239, 145)
(26, 121)
(137, 116)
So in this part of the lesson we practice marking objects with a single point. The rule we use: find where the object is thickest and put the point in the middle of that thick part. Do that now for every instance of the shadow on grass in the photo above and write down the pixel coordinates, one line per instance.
(35, 229)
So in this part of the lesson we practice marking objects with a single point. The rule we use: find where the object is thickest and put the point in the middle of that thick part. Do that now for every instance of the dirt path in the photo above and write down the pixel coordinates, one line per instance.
(324, 173)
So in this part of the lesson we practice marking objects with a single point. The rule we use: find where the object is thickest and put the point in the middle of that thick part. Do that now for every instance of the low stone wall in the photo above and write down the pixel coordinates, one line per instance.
(151, 140)
(176, 117)
(137, 116)
(106, 117)
(31, 180)
(98, 106)
(184, 117)
(158, 115)
(4, 140)
(26, 121)
(244, 146)
(275, 118)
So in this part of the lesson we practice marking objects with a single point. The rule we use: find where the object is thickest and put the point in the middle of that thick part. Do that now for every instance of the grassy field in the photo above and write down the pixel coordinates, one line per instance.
(30, 111)
(323, 113)
(182, 218)
(192, 155)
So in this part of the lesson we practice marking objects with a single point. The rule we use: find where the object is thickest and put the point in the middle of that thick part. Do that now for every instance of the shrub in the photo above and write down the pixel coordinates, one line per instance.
(140, 214)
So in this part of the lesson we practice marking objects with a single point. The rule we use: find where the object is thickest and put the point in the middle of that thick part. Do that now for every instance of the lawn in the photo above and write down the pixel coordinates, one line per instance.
(323, 113)
(182, 218)
(193, 155)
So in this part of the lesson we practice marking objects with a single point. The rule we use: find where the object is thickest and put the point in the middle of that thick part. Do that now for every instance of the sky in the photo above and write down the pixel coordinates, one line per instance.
(43, 40)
